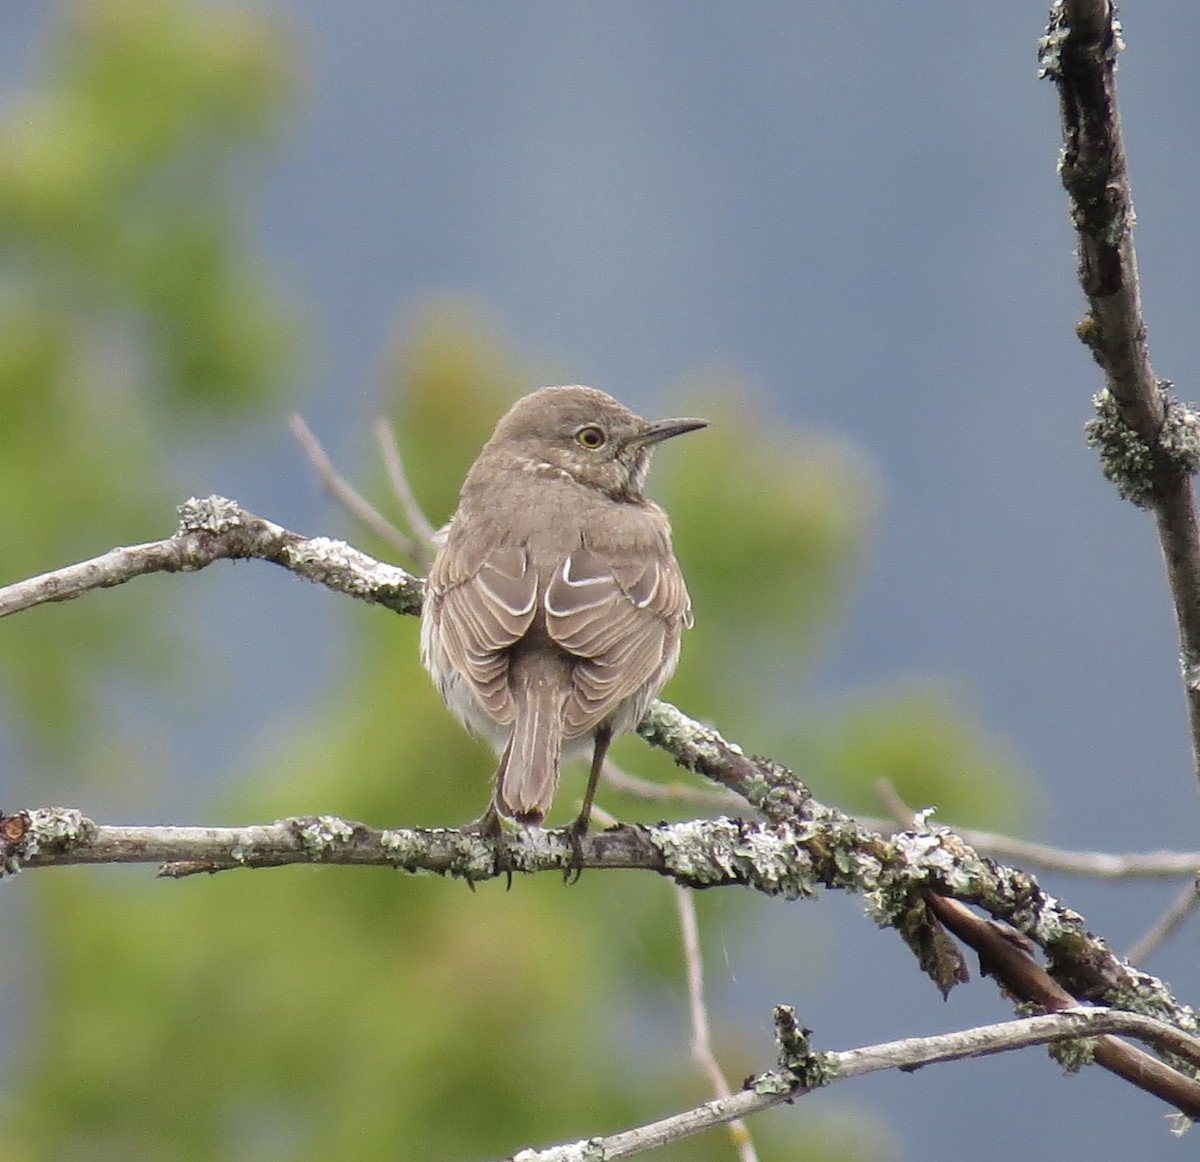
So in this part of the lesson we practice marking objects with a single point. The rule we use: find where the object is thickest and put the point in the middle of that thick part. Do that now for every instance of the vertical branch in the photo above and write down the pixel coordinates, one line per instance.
(1149, 443)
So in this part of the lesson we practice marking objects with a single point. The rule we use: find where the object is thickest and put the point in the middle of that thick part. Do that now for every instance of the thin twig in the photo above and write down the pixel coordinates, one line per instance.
(786, 1084)
(672, 792)
(893, 802)
(340, 488)
(702, 1049)
(1166, 925)
(1149, 443)
(1105, 865)
(425, 534)
(1098, 864)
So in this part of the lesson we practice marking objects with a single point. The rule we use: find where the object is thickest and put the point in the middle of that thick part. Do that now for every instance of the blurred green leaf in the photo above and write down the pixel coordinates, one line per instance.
(129, 305)
(921, 739)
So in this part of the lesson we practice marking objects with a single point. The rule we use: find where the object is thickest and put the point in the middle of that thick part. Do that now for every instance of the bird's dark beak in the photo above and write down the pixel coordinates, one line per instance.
(664, 429)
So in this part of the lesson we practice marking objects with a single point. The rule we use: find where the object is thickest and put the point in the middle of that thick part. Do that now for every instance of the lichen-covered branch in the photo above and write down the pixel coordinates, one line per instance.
(902, 880)
(800, 1071)
(777, 859)
(798, 846)
(1149, 442)
(216, 529)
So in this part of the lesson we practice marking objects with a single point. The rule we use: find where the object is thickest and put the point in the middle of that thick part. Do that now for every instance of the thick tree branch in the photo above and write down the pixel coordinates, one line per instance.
(800, 1072)
(904, 883)
(1004, 955)
(1149, 443)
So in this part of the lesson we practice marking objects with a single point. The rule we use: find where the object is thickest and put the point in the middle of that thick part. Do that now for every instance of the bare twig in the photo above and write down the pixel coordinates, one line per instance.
(702, 1049)
(673, 792)
(337, 486)
(1105, 865)
(1149, 443)
(1100, 864)
(901, 813)
(794, 1079)
(426, 535)
(1166, 925)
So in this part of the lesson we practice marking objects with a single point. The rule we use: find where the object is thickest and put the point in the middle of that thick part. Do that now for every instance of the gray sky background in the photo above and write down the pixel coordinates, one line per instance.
(857, 207)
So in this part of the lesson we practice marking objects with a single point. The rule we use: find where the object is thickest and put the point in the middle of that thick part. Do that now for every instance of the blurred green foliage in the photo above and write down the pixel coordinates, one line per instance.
(313, 1013)
(130, 305)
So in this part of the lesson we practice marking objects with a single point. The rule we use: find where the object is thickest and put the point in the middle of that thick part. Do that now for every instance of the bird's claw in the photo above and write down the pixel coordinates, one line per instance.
(574, 833)
(488, 827)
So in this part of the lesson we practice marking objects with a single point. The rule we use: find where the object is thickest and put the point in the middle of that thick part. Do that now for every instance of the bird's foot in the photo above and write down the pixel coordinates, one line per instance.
(574, 833)
(488, 827)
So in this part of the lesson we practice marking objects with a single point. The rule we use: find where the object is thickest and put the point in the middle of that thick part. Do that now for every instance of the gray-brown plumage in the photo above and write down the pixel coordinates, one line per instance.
(554, 609)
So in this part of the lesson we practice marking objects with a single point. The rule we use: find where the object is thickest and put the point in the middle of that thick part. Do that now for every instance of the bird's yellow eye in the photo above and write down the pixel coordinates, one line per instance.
(591, 437)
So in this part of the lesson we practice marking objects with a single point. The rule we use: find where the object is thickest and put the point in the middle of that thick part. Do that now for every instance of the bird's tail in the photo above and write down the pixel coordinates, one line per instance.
(528, 772)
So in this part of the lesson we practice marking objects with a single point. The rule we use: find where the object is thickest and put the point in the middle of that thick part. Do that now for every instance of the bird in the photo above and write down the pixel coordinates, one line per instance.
(554, 607)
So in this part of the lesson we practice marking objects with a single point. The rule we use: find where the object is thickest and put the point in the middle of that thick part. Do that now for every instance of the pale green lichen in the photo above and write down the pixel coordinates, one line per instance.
(209, 514)
(692, 744)
(1138, 469)
(781, 866)
(778, 801)
(1073, 1055)
(537, 847)
(344, 568)
(756, 790)
(889, 901)
(397, 844)
(49, 828)
(699, 851)
(1058, 32)
(797, 1061)
(470, 857)
(772, 1084)
(324, 834)
(770, 858)
(1050, 43)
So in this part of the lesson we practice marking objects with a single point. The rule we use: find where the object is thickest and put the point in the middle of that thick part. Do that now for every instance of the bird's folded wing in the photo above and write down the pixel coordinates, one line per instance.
(622, 620)
(481, 616)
